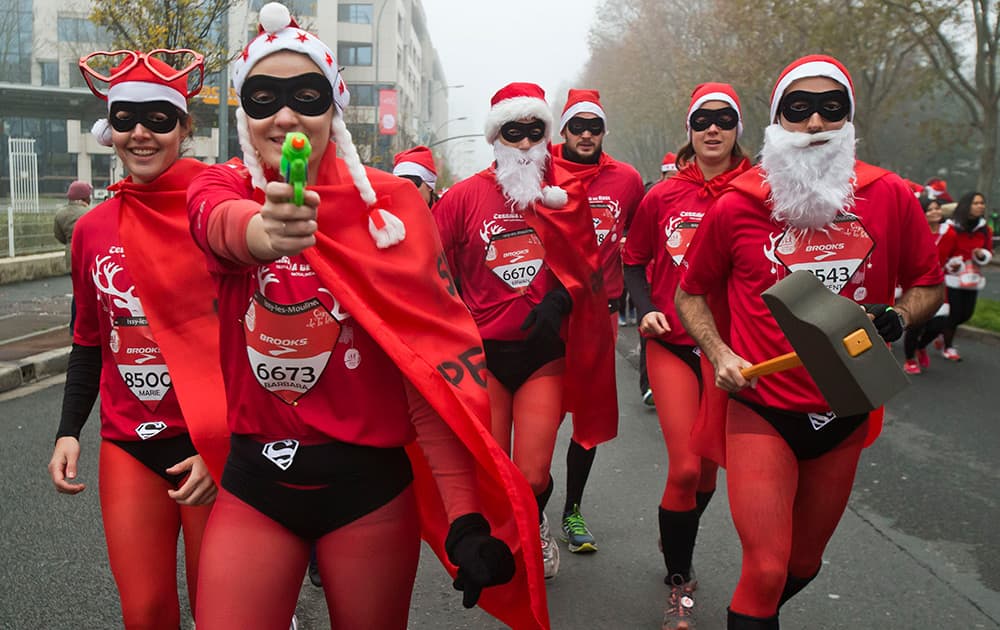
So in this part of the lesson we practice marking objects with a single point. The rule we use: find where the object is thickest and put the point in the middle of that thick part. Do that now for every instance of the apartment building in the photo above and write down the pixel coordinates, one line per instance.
(383, 46)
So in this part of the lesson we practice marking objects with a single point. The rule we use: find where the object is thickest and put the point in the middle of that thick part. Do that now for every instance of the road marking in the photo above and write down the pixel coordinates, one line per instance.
(31, 388)
(30, 335)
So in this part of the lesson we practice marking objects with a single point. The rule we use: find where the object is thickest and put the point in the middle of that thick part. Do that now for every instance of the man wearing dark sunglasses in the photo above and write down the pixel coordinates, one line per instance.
(520, 244)
(810, 205)
(613, 190)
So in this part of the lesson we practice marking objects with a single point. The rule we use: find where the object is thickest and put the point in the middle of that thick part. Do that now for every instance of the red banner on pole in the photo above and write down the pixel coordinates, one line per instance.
(387, 112)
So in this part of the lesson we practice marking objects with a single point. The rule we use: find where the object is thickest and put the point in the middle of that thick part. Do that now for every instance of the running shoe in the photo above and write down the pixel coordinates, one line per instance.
(621, 320)
(679, 612)
(951, 354)
(923, 359)
(911, 366)
(295, 623)
(550, 550)
(575, 533)
(647, 398)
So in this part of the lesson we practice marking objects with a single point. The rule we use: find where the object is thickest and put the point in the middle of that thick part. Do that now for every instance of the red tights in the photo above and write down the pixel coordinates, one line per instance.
(785, 510)
(141, 524)
(252, 568)
(673, 382)
(533, 414)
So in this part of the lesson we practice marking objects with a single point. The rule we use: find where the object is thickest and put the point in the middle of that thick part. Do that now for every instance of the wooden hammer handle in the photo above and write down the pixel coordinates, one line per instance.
(777, 364)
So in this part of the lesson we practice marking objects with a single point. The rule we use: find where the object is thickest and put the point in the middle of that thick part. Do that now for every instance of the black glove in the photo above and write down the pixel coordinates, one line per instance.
(546, 318)
(888, 321)
(482, 560)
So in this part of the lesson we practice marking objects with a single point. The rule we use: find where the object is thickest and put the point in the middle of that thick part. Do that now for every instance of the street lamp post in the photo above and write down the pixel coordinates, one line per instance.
(434, 134)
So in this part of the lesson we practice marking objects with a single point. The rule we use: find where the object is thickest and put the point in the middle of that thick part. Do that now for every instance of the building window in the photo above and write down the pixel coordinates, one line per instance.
(50, 72)
(354, 54)
(297, 8)
(363, 95)
(74, 29)
(75, 76)
(355, 13)
(16, 46)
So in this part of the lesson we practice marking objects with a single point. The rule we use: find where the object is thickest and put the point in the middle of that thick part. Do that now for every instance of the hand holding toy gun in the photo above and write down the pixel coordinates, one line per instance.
(295, 154)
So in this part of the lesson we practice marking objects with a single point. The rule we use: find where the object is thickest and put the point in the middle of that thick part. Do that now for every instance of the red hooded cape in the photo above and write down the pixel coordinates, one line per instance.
(567, 233)
(405, 298)
(708, 439)
(178, 296)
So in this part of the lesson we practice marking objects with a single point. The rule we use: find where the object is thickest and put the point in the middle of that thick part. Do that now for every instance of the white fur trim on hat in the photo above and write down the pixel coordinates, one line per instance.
(145, 92)
(715, 96)
(583, 107)
(418, 170)
(516, 108)
(554, 197)
(102, 132)
(811, 69)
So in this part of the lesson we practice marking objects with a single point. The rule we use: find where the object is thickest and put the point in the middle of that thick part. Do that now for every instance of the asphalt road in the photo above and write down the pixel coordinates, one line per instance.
(917, 547)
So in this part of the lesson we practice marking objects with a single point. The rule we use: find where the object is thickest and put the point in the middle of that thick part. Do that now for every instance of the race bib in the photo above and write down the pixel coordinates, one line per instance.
(139, 361)
(604, 220)
(515, 257)
(679, 238)
(832, 255)
(289, 345)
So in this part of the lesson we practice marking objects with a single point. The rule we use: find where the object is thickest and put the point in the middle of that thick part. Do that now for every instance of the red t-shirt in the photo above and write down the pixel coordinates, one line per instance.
(614, 190)
(661, 233)
(497, 260)
(137, 399)
(296, 365)
(883, 243)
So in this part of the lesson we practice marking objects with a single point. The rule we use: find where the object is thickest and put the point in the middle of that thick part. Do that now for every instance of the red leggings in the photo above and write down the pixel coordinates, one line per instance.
(141, 524)
(533, 414)
(674, 383)
(785, 510)
(252, 568)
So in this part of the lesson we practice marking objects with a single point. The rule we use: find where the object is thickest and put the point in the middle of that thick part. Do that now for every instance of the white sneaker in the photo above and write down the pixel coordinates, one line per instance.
(295, 623)
(550, 550)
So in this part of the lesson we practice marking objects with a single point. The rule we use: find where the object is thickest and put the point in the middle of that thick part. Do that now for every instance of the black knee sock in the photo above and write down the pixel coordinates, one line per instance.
(795, 584)
(702, 499)
(736, 621)
(543, 499)
(578, 463)
(678, 531)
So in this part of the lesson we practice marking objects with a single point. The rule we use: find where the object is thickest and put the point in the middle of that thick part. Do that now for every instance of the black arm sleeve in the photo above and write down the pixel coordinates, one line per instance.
(638, 290)
(83, 383)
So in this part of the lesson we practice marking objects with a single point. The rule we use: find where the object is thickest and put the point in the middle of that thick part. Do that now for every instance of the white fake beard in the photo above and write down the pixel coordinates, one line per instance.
(520, 172)
(810, 183)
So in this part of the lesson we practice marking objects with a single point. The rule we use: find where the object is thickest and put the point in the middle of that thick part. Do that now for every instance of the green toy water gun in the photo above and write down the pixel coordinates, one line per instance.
(295, 162)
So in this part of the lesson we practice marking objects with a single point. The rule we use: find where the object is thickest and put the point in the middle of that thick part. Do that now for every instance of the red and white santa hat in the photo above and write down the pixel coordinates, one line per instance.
(418, 161)
(141, 78)
(811, 66)
(582, 102)
(515, 101)
(277, 32)
(714, 92)
(669, 163)
(937, 189)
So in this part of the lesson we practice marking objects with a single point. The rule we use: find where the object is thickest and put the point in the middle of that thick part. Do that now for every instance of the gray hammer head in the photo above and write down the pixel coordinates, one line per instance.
(816, 322)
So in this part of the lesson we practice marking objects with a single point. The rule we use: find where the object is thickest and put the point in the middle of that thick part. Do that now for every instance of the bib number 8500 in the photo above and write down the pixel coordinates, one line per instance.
(145, 380)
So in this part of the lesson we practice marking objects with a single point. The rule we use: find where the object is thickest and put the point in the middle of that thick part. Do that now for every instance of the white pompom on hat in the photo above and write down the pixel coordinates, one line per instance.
(811, 66)
(278, 31)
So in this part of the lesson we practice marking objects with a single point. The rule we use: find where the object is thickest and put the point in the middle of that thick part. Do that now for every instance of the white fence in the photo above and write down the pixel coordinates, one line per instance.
(28, 226)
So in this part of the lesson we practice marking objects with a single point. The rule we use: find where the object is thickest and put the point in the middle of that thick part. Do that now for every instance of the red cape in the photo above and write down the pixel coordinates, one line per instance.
(752, 183)
(178, 296)
(589, 389)
(405, 298)
(586, 173)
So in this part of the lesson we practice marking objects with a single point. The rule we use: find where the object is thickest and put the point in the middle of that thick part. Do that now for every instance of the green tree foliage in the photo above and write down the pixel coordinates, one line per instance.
(147, 24)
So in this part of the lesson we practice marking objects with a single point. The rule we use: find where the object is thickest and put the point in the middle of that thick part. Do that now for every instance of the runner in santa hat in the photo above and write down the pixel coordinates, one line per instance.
(417, 165)
(664, 225)
(790, 461)
(613, 190)
(353, 374)
(161, 413)
(668, 168)
(520, 241)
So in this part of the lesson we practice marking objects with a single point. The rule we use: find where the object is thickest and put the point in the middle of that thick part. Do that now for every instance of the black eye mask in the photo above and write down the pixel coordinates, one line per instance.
(577, 126)
(514, 132)
(308, 94)
(157, 116)
(799, 105)
(725, 118)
